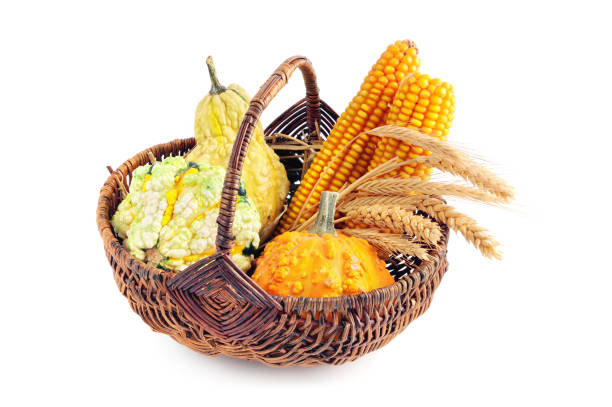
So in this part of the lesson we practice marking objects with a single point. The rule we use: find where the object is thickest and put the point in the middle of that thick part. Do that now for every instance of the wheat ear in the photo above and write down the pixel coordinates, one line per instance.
(405, 186)
(414, 137)
(397, 220)
(467, 226)
(387, 244)
(348, 188)
(355, 200)
(475, 173)
(450, 159)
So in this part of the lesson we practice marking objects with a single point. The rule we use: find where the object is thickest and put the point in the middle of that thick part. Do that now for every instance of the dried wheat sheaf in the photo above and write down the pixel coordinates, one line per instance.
(402, 215)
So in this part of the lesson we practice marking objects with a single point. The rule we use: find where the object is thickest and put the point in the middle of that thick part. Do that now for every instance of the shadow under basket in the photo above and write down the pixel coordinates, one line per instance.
(215, 308)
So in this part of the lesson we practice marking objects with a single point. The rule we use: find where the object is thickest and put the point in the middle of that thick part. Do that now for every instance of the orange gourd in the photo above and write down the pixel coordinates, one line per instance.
(320, 262)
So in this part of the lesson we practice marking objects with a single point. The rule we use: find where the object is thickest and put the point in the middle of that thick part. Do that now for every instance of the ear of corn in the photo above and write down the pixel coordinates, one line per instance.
(366, 111)
(421, 103)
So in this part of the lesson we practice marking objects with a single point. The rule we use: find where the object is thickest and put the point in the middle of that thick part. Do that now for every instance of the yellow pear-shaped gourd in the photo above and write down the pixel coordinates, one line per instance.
(217, 120)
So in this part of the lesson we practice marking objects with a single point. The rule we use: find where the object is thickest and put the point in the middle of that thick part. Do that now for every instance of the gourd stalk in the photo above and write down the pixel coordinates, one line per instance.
(215, 85)
(324, 224)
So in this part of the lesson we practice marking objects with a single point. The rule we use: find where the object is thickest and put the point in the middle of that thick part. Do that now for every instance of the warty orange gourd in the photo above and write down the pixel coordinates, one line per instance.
(320, 262)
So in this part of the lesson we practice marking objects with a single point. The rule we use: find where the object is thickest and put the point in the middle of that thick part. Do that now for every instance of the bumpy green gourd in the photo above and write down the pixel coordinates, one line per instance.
(169, 217)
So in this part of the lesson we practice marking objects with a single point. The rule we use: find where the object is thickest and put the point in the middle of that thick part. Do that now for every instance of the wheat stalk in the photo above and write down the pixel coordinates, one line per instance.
(475, 173)
(388, 244)
(355, 200)
(447, 158)
(467, 226)
(404, 186)
(390, 203)
(437, 209)
(385, 167)
(345, 190)
(273, 137)
(307, 210)
(398, 220)
(414, 137)
(444, 156)
(294, 147)
(472, 172)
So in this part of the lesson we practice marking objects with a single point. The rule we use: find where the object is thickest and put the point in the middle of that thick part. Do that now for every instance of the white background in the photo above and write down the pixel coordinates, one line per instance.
(84, 85)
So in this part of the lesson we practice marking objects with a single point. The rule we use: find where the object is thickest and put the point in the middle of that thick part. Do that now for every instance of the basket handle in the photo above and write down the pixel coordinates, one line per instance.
(205, 286)
(259, 102)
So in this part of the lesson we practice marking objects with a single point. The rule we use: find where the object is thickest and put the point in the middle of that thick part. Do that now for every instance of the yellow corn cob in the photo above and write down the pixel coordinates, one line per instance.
(366, 111)
(423, 104)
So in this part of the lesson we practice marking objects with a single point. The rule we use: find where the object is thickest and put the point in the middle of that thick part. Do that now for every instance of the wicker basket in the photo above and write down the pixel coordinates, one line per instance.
(215, 308)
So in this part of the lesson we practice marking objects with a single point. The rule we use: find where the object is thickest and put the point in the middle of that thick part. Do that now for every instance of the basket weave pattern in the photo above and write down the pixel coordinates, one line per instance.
(215, 308)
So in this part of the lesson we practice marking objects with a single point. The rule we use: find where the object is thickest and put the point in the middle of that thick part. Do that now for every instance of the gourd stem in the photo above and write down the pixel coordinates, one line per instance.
(215, 86)
(324, 224)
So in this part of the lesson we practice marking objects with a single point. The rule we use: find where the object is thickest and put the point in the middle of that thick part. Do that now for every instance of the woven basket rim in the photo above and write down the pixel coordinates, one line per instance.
(425, 271)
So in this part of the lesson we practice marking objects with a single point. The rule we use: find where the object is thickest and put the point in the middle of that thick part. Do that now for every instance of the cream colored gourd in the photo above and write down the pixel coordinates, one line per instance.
(217, 119)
